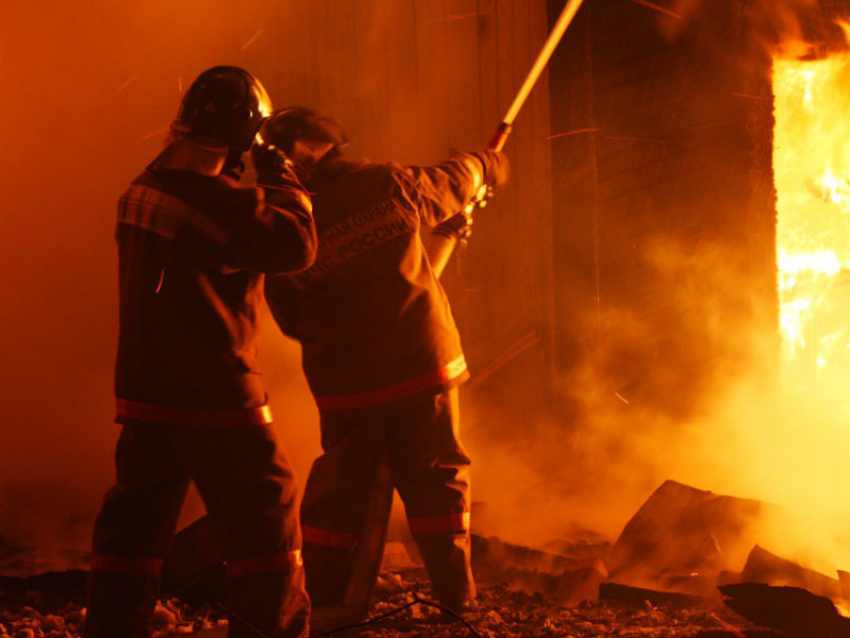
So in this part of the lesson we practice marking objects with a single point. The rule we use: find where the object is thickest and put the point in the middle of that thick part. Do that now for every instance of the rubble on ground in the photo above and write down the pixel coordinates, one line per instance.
(687, 565)
(765, 567)
(793, 610)
(503, 613)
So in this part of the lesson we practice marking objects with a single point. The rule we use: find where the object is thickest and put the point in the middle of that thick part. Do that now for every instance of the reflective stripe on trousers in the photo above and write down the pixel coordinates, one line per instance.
(124, 565)
(451, 523)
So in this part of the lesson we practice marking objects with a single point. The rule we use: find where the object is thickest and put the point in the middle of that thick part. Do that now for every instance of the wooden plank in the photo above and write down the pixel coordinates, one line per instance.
(370, 71)
(401, 79)
(540, 130)
(462, 76)
(432, 138)
(335, 55)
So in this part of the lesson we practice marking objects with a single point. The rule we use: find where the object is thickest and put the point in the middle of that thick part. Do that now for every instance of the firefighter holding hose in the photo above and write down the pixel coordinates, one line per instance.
(380, 349)
(193, 247)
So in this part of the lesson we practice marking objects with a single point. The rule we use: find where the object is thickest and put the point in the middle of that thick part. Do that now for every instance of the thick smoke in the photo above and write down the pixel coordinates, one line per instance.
(782, 20)
(746, 437)
(791, 28)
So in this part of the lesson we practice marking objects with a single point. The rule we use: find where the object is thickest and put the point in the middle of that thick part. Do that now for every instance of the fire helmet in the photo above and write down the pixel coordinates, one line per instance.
(286, 125)
(225, 103)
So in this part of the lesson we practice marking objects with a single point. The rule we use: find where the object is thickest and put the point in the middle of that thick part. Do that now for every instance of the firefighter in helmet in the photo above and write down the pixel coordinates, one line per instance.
(193, 246)
(380, 350)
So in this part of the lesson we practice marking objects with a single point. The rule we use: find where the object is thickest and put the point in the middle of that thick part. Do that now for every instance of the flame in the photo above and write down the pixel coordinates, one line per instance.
(812, 172)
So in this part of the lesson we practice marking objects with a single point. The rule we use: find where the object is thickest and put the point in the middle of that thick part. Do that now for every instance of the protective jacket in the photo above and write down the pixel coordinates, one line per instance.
(191, 287)
(373, 321)
(192, 250)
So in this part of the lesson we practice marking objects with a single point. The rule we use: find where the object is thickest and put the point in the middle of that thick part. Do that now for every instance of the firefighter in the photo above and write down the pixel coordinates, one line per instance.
(380, 350)
(193, 246)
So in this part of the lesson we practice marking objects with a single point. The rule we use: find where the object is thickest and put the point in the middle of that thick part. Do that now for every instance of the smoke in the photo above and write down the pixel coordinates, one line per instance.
(743, 435)
(790, 28)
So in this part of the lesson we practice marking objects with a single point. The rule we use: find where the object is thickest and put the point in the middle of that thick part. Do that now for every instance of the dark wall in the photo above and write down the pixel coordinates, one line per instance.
(664, 204)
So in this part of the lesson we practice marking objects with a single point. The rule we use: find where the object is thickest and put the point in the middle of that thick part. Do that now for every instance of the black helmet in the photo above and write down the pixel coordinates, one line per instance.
(286, 125)
(225, 103)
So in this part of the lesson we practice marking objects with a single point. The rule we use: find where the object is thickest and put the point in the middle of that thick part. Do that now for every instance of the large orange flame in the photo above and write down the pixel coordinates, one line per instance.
(812, 172)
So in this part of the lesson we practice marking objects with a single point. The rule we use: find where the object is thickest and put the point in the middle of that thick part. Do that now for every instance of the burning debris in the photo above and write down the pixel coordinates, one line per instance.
(682, 538)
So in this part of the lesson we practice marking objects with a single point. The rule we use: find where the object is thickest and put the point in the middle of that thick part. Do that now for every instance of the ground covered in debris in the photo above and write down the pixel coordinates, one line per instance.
(510, 614)
(503, 613)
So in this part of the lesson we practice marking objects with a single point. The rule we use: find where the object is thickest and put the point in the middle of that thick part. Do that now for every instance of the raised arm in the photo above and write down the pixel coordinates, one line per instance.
(280, 236)
(445, 189)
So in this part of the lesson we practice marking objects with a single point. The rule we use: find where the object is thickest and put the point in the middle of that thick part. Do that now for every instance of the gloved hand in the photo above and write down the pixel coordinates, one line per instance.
(272, 166)
(496, 168)
(459, 226)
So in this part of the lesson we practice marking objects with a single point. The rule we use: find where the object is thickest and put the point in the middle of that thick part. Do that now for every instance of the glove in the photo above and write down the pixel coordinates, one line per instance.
(273, 167)
(459, 226)
(497, 170)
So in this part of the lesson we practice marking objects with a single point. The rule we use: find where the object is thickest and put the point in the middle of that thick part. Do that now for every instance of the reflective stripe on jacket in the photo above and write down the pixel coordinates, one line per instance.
(192, 253)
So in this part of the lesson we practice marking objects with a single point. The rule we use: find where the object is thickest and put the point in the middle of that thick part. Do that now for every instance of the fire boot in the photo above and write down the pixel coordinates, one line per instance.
(120, 605)
(447, 560)
(273, 603)
(328, 572)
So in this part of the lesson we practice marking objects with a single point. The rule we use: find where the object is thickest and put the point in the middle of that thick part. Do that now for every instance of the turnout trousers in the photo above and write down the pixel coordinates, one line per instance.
(245, 483)
(429, 468)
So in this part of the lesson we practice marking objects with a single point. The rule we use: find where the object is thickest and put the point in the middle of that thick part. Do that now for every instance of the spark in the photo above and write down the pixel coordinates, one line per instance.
(253, 39)
(124, 86)
(703, 127)
(155, 133)
(622, 398)
(161, 279)
(454, 17)
(523, 344)
(640, 139)
(576, 132)
(732, 629)
(652, 5)
(752, 97)
(180, 84)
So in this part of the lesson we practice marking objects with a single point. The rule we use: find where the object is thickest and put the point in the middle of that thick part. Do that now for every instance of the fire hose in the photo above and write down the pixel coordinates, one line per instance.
(440, 248)
(497, 142)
